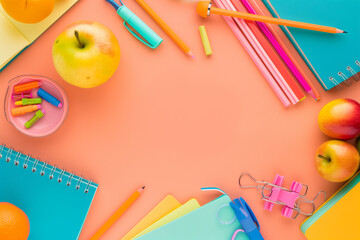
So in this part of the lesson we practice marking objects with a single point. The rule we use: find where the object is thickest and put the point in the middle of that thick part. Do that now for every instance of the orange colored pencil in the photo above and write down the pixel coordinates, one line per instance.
(117, 214)
(165, 27)
(204, 9)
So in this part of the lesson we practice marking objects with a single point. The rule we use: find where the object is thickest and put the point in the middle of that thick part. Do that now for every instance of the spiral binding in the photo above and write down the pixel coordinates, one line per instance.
(35, 164)
(347, 78)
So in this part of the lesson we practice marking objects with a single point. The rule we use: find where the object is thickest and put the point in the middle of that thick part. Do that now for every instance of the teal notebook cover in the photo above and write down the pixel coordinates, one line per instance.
(333, 58)
(56, 207)
(202, 223)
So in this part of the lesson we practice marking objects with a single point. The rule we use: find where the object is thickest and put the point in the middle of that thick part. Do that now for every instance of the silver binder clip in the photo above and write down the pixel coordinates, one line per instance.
(275, 194)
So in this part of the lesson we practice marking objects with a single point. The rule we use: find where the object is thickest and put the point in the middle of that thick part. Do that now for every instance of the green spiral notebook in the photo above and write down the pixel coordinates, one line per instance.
(333, 58)
(55, 201)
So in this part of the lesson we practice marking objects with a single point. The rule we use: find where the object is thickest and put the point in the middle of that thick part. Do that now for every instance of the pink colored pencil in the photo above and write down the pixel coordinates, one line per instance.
(280, 50)
(269, 78)
(274, 56)
(263, 55)
(272, 28)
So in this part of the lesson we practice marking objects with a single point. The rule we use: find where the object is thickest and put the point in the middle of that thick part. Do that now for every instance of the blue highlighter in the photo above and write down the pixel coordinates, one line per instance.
(49, 98)
(140, 30)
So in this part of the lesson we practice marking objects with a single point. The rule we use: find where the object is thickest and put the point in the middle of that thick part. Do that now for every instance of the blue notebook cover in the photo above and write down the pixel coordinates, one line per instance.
(333, 58)
(55, 201)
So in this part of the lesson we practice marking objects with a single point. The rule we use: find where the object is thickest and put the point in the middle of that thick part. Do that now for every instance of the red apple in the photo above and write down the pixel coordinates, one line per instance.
(337, 161)
(340, 119)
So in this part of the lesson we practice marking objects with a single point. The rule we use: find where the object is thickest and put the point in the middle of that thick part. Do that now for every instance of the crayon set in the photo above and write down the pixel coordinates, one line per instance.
(26, 102)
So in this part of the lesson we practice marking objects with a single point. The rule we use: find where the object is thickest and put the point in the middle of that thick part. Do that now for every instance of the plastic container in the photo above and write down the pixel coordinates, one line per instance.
(54, 116)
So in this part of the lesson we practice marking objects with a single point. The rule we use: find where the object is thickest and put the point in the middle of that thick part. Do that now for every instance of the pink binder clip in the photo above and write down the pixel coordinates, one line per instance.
(290, 199)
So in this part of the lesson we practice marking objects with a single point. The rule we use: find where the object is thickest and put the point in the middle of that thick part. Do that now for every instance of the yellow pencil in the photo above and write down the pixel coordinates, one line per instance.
(117, 214)
(204, 9)
(165, 27)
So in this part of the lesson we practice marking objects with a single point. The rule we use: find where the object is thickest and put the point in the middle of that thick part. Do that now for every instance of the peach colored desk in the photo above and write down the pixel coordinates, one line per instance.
(176, 124)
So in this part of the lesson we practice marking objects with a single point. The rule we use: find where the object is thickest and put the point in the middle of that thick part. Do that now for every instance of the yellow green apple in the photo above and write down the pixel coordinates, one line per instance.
(28, 11)
(86, 54)
(340, 119)
(337, 161)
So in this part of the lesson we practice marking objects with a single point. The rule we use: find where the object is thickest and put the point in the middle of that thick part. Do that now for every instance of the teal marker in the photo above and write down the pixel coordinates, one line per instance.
(142, 31)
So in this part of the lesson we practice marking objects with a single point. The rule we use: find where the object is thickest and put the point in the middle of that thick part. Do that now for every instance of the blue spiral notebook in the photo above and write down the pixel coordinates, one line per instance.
(333, 58)
(55, 201)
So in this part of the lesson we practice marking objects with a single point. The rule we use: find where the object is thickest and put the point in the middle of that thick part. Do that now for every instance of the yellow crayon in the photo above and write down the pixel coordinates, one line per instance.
(205, 40)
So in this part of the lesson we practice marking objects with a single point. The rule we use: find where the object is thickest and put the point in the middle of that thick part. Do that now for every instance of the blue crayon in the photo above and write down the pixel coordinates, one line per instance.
(49, 98)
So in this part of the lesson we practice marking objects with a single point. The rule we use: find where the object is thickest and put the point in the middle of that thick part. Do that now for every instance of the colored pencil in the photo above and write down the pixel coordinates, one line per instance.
(279, 49)
(165, 27)
(263, 55)
(275, 58)
(244, 42)
(292, 59)
(203, 11)
(118, 214)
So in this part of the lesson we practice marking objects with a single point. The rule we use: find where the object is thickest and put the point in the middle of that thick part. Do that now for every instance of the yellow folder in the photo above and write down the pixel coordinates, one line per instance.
(188, 207)
(167, 205)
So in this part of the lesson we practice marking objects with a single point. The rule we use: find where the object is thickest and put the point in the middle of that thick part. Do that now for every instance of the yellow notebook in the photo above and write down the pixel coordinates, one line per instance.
(188, 207)
(16, 36)
(166, 206)
(339, 217)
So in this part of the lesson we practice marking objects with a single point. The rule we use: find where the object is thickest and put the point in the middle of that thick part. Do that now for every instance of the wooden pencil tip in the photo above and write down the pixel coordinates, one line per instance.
(140, 190)
(190, 54)
(340, 31)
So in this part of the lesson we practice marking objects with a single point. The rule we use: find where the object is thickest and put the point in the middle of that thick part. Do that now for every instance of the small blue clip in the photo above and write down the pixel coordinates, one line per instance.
(247, 219)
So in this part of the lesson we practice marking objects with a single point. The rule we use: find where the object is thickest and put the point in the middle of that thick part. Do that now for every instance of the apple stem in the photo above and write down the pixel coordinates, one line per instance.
(78, 38)
(325, 158)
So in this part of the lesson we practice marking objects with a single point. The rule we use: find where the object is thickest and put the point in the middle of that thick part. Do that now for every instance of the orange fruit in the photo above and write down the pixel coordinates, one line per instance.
(28, 11)
(14, 224)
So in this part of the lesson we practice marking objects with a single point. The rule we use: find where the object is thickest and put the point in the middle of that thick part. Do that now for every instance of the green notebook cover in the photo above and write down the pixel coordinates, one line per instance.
(333, 58)
(202, 223)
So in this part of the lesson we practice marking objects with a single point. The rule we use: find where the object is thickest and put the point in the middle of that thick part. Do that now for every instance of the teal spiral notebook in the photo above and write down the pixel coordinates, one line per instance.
(333, 58)
(55, 201)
